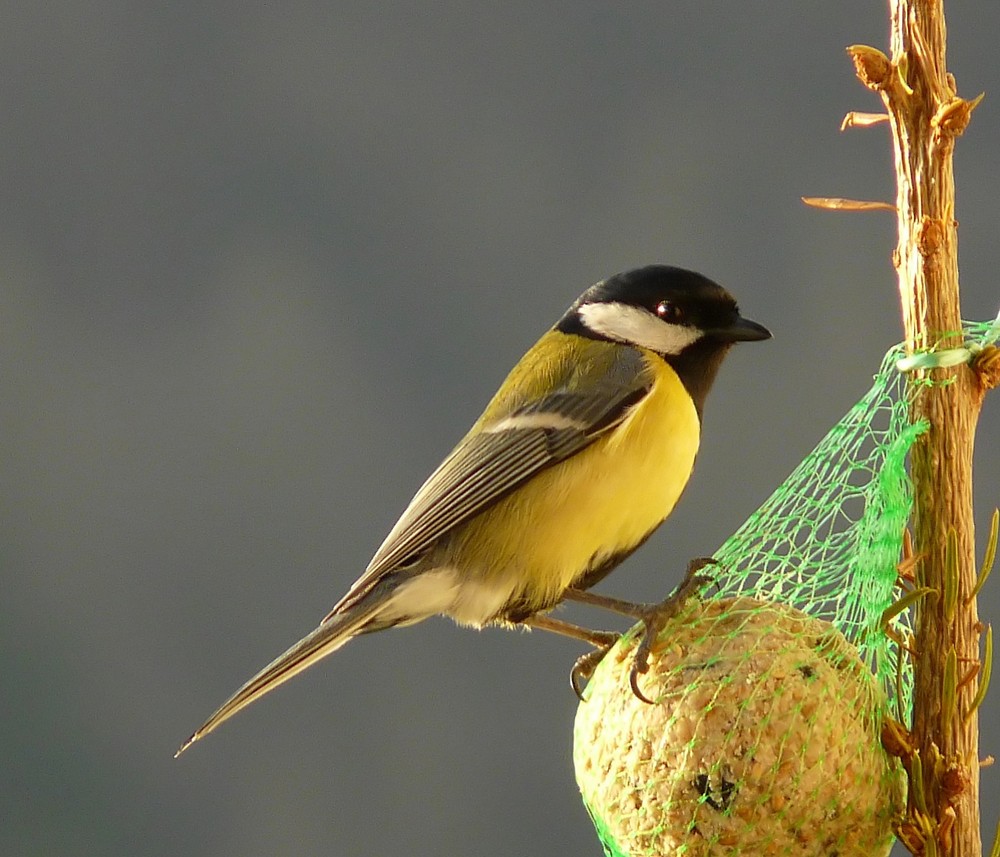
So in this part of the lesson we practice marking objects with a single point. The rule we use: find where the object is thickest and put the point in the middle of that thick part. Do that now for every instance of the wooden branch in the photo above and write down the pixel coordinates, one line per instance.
(926, 116)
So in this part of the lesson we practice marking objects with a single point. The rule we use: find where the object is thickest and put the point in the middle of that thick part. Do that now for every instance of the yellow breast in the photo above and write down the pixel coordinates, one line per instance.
(602, 502)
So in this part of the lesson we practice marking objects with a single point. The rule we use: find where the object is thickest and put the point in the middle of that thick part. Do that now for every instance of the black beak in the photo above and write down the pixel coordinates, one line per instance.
(743, 330)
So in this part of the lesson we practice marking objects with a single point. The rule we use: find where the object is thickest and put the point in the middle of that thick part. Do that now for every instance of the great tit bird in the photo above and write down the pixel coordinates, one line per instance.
(579, 457)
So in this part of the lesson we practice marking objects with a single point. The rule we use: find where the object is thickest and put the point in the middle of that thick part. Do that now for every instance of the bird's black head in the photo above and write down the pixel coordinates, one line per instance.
(662, 308)
(684, 317)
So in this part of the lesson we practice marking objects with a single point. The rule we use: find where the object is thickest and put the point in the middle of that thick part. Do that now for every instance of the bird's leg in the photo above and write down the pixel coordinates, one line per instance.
(654, 617)
(585, 665)
(598, 639)
(606, 602)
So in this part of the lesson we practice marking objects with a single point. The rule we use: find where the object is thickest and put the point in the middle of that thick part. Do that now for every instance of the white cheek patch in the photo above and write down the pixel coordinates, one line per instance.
(638, 327)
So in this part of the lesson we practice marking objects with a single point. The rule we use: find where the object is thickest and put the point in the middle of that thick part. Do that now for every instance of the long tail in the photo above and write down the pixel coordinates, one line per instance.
(332, 633)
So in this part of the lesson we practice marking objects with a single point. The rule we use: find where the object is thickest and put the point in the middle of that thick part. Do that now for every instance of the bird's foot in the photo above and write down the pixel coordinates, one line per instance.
(583, 669)
(655, 618)
(585, 665)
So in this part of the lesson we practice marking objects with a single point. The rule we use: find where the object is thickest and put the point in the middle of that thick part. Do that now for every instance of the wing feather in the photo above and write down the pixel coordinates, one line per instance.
(489, 464)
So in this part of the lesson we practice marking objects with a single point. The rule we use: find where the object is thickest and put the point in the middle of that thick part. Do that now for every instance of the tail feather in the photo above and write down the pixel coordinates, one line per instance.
(331, 634)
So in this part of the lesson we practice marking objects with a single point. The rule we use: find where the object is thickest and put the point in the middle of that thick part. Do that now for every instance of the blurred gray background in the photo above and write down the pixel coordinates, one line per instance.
(261, 267)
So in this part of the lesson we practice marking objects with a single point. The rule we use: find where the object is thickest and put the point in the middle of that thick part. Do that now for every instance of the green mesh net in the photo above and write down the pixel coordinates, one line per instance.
(773, 684)
(828, 540)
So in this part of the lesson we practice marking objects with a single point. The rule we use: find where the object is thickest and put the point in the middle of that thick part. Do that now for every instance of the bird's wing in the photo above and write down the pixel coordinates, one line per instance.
(507, 451)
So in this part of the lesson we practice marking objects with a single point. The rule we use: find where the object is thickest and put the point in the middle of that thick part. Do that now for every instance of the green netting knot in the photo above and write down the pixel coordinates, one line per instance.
(978, 336)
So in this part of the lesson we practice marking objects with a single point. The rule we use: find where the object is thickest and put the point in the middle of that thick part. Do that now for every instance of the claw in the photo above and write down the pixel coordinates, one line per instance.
(583, 669)
(655, 618)
(691, 575)
(633, 680)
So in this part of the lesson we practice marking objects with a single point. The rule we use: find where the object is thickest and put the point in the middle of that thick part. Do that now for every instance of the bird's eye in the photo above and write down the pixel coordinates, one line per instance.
(669, 312)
